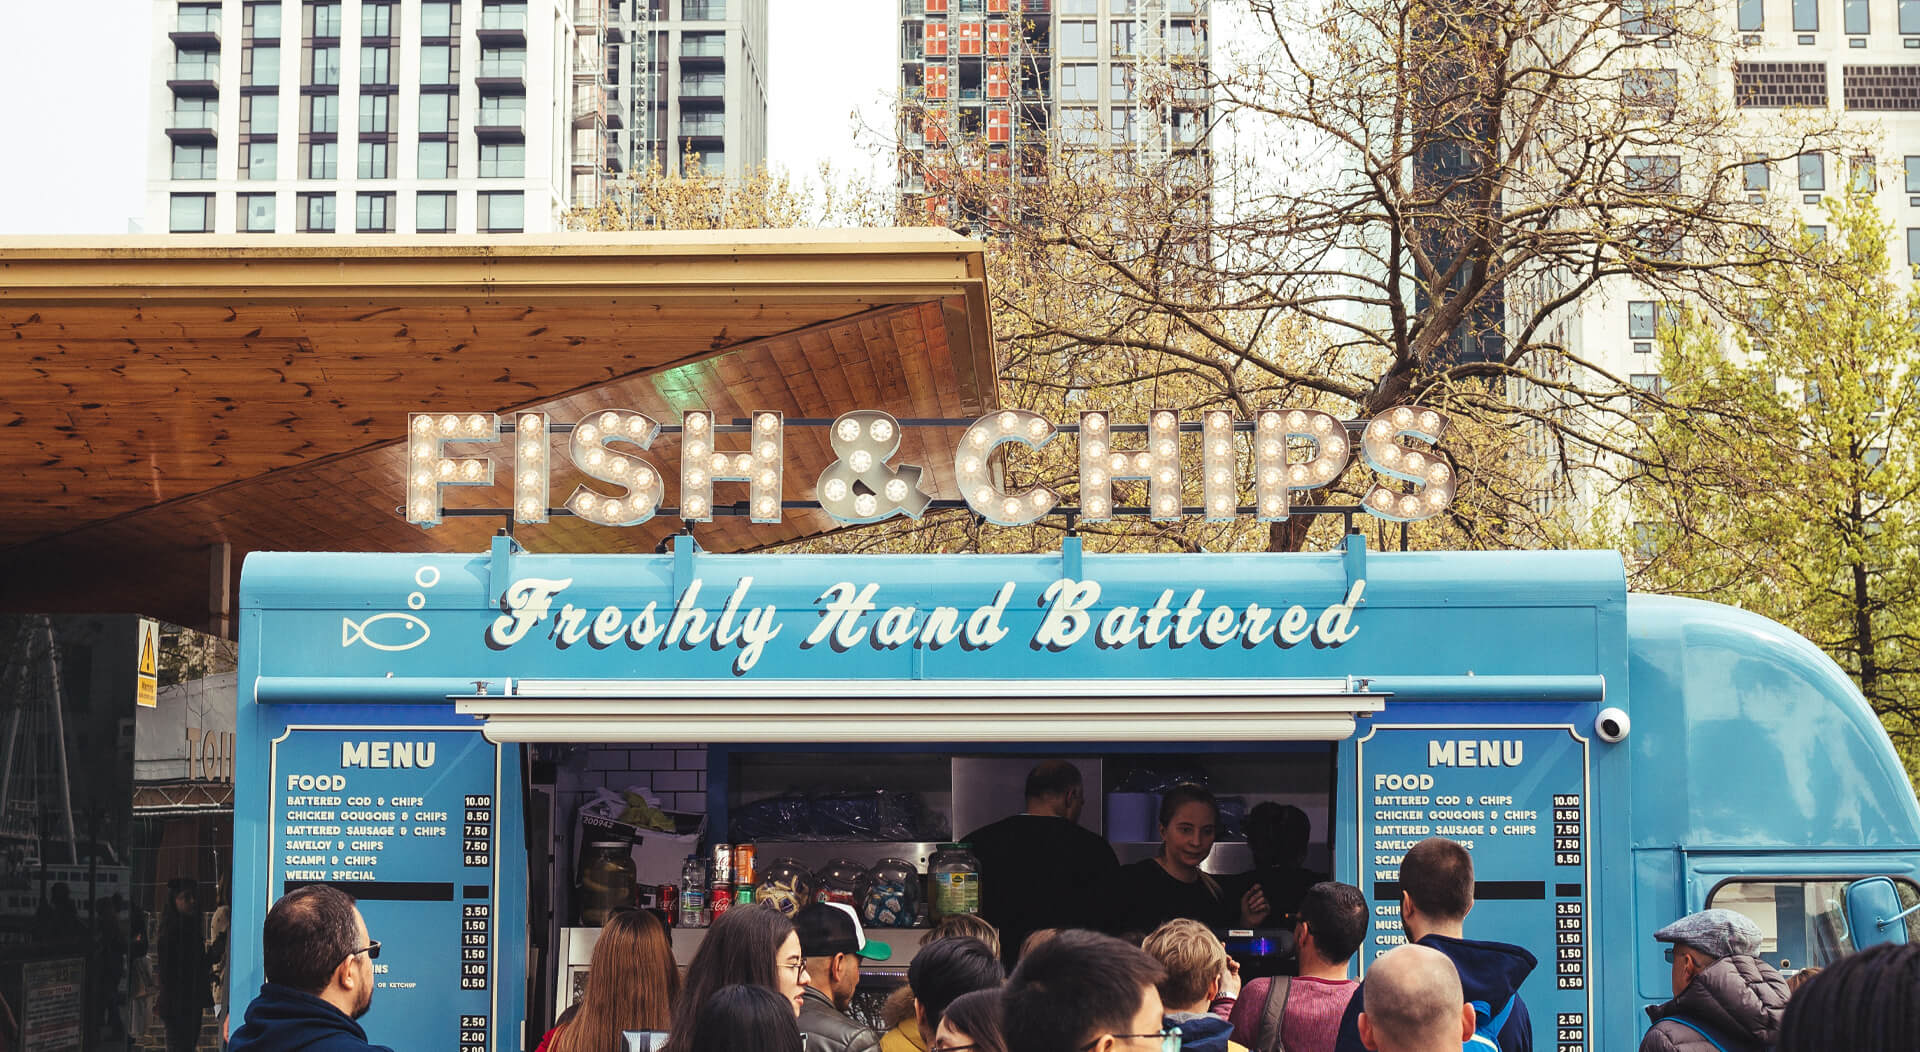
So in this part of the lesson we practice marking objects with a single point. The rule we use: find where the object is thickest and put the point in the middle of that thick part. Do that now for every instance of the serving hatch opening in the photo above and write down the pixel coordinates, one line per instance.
(1009, 710)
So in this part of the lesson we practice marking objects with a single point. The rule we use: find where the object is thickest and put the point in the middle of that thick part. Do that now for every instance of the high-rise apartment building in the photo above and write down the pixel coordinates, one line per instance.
(1008, 81)
(687, 77)
(441, 116)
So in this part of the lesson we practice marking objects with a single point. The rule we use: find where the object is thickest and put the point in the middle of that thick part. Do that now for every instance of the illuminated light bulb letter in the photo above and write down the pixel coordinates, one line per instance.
(1385, 454)
(1276, 475)
(1101, 465)
(428, 466)
(762, 465)
(1220, 482)
(860, 486)
(971, 460)
(532, 467)
(593, 452)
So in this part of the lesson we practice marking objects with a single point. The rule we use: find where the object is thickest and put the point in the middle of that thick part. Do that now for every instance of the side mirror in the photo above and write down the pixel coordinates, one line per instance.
(1874, 913)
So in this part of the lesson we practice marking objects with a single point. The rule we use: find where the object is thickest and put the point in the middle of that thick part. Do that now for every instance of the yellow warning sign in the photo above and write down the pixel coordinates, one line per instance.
(147, 687)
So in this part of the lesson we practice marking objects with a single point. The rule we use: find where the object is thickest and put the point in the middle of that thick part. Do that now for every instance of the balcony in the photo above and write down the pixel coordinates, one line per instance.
(503, 27)
(196, 30)
(502, 76)
(702, 90)
(589, 106)
(195, 79)
(703, 54)
(703, 10)
(704, 126)
(194, 127)
(586, 158)
(501, 124)
(614, 117)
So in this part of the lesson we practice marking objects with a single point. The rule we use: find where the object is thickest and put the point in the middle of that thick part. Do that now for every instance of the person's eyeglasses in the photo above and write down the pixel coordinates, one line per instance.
(1169, 1039)
(371, 949)
(951, 1048)
(799, 966)
(1669, 955)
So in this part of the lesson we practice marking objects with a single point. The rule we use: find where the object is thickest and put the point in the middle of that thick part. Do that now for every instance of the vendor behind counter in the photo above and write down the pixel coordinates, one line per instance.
(1042, 869)
(1148, 893)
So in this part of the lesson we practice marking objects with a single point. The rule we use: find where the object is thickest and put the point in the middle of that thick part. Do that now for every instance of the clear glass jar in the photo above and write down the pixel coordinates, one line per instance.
(606, 880)
(785, 885)
(840, 881)
(954, 873)
(889, 895)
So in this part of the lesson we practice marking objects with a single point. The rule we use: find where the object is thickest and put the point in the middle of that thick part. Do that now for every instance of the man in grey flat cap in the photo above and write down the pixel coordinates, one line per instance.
(1724, 997)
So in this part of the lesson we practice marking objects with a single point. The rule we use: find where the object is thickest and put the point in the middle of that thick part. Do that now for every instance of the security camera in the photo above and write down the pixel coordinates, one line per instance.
(1612, 725)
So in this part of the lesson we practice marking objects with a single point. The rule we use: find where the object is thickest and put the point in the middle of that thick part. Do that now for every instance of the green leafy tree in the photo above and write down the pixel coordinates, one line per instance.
(1788, 481)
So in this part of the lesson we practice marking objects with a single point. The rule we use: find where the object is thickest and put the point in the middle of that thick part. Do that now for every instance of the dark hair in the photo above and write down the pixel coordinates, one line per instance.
(1336, 914)
(1437, 874)
(1864, 1002)
(741, 1018)
(306, 936)
(1075, 986)
(947, 968)
(1281, 827)
(1052, 778)
(976, 1015)
(738, 951)
(1183, 794)
(631, 984)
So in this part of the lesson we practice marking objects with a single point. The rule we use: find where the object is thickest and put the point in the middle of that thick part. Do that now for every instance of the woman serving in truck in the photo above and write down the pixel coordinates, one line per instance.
(1171, 884)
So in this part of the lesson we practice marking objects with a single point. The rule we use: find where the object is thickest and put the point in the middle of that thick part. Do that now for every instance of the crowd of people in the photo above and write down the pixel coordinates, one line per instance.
(760, 981)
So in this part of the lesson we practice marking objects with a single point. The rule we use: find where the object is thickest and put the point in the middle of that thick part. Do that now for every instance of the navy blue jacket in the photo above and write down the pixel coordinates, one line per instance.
(1201, 1033)
(283, 1019)
(1490, 972)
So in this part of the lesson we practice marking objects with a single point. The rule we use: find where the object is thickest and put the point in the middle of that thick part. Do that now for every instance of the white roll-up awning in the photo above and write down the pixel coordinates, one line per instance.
(1033, 710)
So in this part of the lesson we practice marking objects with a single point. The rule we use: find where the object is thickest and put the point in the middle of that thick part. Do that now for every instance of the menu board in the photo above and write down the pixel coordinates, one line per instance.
(1516, 799)
(403, 819)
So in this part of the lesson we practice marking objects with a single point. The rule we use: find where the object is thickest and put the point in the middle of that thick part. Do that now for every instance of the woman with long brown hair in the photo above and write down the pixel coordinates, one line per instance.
(632, 985)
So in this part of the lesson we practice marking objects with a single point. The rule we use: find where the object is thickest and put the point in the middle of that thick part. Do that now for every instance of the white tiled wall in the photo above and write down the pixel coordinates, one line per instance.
(676, 774)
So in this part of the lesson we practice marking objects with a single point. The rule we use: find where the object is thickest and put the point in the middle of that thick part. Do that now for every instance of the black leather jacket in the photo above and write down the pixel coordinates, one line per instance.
(824, 1028)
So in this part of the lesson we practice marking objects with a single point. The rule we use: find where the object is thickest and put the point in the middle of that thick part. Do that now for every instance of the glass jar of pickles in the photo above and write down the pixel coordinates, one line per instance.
(606, 880)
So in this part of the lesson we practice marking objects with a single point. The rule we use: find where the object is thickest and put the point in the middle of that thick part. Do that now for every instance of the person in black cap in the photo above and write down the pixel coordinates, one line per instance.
(1724, 996)
(1041, 868)
(834, 944)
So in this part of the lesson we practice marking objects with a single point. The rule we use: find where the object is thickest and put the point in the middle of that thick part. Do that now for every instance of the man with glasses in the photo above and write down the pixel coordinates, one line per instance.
(1087, 993)
(1724, 996)
(319, 965)
(834, 945)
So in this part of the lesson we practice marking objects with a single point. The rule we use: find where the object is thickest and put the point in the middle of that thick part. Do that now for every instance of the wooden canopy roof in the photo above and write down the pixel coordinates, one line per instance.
(169, 404)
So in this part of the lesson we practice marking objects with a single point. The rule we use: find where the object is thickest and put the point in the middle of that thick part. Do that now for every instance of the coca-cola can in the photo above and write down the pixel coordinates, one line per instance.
(722, 872)
(669, 900)
(719, 900)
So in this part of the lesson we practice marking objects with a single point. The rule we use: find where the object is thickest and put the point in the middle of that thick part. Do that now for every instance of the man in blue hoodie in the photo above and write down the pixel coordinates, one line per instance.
(319, 965)
(1436, 892)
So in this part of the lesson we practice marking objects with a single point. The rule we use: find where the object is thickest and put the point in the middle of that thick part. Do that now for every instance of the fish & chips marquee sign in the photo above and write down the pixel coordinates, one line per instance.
(1292, 452)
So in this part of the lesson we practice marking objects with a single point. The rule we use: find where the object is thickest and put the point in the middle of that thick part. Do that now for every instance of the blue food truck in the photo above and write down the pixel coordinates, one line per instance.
(1611, 760)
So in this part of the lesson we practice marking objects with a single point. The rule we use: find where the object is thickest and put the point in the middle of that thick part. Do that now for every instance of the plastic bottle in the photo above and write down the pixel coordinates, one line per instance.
(693, 893)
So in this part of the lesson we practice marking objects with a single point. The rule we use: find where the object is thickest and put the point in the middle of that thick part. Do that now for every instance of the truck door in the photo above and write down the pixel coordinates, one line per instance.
(1798, 901)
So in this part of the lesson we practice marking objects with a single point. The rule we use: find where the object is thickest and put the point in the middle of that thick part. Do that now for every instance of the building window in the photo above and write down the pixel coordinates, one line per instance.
(1123, 123)
(510, 111)
(436, 113)
(1854, 13)
(1640, 320)
(1813, 172)
(323, 20)
(190, 214)
(503, 15)
(316, 213)
(373, 213)
(1753, 16)
(1913, 251)
(1079, 126)
(373, 160)
(1648, 382)
(260, 67)
(1079, 40)
(433, 212)
(1806, 16)
(1912, 163)
(1863, 178)
(374, 113)
(322, 116)
(196, 65)
(1759, 175)
(1080, 82)
(703, 10)
(260, 160)
(436, 64)
(323, 161)
(1080, 7)
(1647, 18)
(1120, 82)
(376, 20)
(194, 162)
(1816, 232)
(259, 114)
(374, 65)
(1122, 38)
(437, 20)
(502, 212)
(1910, 16)
(503, 62)
(1652, 89)
(255, 215)
(436, 160)
(1654, 175)
(260, 21)
(323, 65)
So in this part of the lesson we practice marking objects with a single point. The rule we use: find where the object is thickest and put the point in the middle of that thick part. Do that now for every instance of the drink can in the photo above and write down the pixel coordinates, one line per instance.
(722, 873)
(743, 895)
(721, 900)
(743, 863)
(669, 901)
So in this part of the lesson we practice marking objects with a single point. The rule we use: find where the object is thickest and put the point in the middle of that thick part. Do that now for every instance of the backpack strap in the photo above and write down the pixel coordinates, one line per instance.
(1696, 1028)
(1487, 1034)
(1272, 1012)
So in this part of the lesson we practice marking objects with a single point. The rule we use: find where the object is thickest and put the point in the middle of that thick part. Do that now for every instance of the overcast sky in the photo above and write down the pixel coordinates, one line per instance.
(73, 102)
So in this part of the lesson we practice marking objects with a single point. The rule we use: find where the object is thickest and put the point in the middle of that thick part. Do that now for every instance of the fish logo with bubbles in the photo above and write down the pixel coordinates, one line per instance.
(394, 631)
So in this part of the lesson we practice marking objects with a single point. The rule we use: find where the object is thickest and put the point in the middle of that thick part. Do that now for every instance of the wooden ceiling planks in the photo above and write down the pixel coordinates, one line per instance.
(137, 428)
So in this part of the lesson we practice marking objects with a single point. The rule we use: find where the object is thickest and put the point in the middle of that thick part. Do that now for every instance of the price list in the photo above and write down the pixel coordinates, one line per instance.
(1513, 797)
(402, 819)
